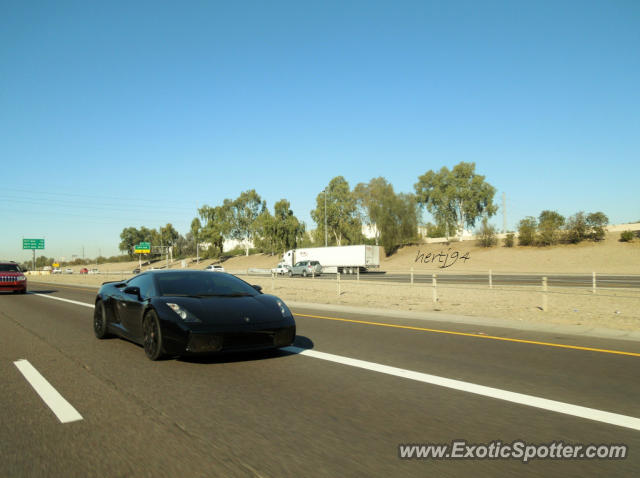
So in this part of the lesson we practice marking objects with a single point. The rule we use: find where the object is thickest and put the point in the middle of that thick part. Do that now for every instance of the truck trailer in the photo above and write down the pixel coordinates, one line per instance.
(342, 259)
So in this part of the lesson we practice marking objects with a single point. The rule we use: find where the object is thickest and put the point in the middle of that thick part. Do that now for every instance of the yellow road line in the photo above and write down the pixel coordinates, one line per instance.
(466, 334)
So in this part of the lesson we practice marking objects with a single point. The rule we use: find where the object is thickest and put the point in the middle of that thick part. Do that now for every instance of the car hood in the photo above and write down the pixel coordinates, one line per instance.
(257, 309)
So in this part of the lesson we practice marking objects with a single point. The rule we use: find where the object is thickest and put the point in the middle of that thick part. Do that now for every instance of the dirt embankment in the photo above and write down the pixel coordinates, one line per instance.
(609, 256)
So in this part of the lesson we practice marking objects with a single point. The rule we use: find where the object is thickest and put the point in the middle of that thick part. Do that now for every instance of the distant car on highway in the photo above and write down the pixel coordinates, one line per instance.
(281, 268)
(183, 312)
(84, 270)
(306, 268)
(11, 278)
(136, 271)
(214, 268)
(68, 270)
(94, 271)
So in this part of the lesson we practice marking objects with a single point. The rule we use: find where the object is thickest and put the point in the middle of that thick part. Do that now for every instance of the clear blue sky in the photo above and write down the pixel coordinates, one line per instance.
(116, 114)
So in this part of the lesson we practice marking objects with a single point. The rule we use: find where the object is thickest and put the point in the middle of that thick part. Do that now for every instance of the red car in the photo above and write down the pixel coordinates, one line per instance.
(12, 278)
(84, 270)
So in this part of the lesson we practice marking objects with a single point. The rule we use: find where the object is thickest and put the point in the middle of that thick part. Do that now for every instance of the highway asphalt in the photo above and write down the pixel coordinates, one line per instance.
(314, 413)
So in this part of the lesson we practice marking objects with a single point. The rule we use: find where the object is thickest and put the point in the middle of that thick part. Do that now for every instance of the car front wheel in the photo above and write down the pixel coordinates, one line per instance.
(290, 273)
(152, 336)
(100, 320)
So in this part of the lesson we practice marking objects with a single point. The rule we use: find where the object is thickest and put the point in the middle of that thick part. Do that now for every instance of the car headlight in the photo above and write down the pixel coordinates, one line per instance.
(21, 278)
(284, 310)
(183, 313)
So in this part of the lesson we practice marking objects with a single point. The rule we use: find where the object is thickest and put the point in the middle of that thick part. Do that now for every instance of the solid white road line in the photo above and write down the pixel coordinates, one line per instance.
(56, 402)
(519, 398)
(64, 300)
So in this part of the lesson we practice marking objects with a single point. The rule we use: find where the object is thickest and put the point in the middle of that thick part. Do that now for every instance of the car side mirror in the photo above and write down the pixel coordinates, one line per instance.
(133, 291)
(257, 287)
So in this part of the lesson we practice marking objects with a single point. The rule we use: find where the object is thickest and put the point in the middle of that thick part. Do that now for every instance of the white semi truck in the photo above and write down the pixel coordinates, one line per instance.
(343, 259)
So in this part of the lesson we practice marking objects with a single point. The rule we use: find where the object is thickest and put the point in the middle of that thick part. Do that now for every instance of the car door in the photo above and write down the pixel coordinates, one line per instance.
(132, 306)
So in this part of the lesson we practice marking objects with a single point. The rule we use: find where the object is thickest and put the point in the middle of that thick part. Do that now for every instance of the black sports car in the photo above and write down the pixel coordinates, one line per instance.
(178, 312)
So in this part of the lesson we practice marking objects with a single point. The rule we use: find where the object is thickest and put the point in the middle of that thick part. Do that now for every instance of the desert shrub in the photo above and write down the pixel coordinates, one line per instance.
(626, 236)
(549, 227)
(509, 239)
(596, 221)
(487, 234)
(435, 230)
(576, 229)
(527, 231)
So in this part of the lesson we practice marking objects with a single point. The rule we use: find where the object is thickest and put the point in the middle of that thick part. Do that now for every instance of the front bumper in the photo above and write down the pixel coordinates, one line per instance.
(233, 341)
(9, 284)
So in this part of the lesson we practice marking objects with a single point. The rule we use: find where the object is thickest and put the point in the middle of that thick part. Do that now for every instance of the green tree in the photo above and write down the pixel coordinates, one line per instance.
(245, 210)
(343, 223)
(456, 198)
(195, 229)
(549, 226)
(288, 230)
(487, 233)
(576, 228)
(509, 239)
(596, 222)
(129, 237)
(393, 217)
(370, 198)
(216, 227)
(527, 231)
(265, 235)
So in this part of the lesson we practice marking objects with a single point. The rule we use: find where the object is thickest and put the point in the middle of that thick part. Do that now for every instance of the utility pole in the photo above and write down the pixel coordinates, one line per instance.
(504, 212)
(325, 217)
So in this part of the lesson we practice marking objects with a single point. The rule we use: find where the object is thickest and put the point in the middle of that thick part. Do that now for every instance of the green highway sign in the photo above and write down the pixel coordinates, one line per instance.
(33, 243)
(142, 248)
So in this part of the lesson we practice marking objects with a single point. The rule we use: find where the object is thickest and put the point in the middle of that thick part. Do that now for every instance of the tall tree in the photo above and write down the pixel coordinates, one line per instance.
(246, 209)
(194, 234)
(393, 217)
(288, 230)
(456, 198)
(343, 223)
(129, 237)
(216, 226)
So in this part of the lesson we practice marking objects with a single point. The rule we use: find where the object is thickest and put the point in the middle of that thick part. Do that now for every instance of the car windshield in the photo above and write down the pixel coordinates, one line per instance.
(9, 268)
(202, 284)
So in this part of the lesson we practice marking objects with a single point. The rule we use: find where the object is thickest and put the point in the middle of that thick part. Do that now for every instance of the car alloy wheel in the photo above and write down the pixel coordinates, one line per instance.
(100, 320)
(152, 336)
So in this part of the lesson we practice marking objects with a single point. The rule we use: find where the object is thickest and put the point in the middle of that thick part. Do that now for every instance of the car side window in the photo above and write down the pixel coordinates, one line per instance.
(145, 283)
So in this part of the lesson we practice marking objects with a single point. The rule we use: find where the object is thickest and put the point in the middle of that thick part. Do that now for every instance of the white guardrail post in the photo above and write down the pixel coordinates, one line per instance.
(435, 291)
(544, 294)
(594, 282)
(338, 282)
(412, 276)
